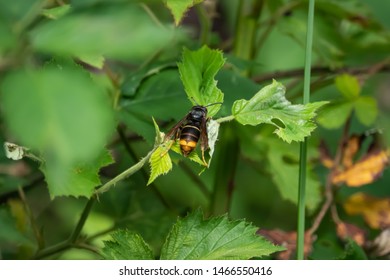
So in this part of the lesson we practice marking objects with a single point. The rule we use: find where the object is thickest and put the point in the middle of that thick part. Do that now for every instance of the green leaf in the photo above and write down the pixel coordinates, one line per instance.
(159, 135)
(212, 134)
(269, 105)
(161, 94)
(192, 156)
(79, 179)
(283, 164)
(60, 113)
(68, 123)
(96, 61)
(353, 251)
(335, 114)
(348, 85)
(193, 238)
(197, 72)
(117, 32)
(126, 245)
(366, 109)
(180, 7)
(160, 161)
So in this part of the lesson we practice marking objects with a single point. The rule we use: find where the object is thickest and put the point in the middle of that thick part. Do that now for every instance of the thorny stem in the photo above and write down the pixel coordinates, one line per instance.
(144, 174)
(126, 173)
(329, 185)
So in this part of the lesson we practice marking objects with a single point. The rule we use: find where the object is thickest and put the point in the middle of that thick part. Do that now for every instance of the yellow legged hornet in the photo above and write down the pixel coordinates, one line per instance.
(191, 129)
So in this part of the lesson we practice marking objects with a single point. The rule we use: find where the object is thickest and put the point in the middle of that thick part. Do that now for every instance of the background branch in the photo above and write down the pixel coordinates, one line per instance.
(320, 70)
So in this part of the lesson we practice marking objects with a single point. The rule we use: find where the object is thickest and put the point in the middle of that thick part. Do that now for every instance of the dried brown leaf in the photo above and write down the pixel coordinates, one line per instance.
(346, 230)
(350, 149)
(287, 240)
(366, 170)
(375, 211)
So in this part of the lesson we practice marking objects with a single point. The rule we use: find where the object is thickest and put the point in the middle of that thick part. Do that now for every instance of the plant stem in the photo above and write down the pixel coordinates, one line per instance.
(83, 218)
(205, 24)
(301, 200)
(133, 155)
(57, 248)
(225, 119)
(246, 30)
(303, 148)
(71, 242)
(28, 18)
(124, 174)
(328, 186)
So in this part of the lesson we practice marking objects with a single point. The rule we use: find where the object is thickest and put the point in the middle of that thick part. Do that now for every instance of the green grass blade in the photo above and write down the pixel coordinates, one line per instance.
(303, 150)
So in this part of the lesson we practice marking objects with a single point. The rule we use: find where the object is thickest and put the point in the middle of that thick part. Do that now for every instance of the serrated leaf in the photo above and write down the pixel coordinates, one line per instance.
(74, 179)
(197, 72)
(159, 135)
(193, 238)
(366, 109)
(126, 245)
(335, 114)
(160, 161)
(269, 105)
(180, 7)
(348, 85)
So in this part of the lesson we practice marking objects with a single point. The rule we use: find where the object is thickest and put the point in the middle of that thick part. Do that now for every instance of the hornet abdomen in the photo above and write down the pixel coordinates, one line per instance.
(189, 137)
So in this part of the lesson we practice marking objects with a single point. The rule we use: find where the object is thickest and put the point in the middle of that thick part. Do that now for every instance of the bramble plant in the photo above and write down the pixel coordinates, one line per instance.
(90, 90)
(269, 105)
